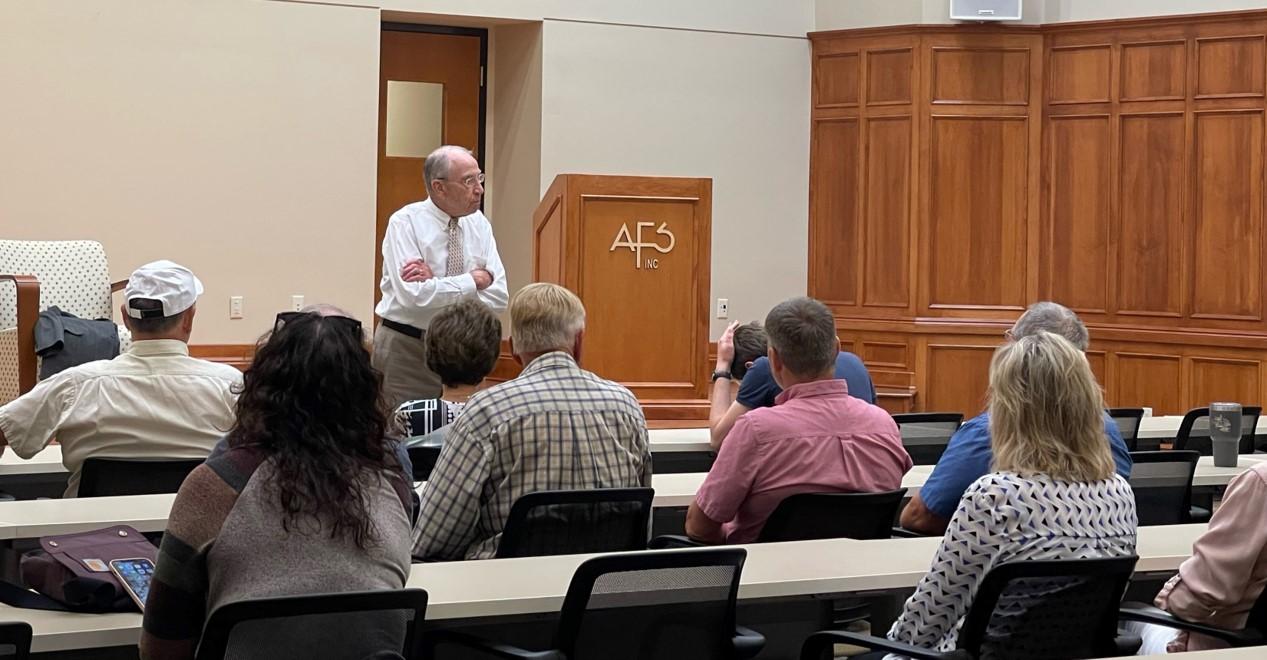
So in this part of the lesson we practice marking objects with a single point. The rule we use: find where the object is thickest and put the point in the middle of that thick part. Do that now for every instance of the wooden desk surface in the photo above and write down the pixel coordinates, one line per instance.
(532, 585)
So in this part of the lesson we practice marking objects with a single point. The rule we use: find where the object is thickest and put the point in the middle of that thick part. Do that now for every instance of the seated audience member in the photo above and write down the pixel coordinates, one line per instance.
(154, 401)
(462, 345)
(968, 453)
(816, 438)
(756, 385)
(307, 499)
(1053, 494)
(554, 427)
(1219, 584)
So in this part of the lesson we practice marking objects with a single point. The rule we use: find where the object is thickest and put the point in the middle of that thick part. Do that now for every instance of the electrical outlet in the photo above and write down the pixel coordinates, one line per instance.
(235, 307)
(723, 308)
(296, 303)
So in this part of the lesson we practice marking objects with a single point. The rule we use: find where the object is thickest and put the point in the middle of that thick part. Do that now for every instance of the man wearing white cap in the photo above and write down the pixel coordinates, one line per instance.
(154, 401)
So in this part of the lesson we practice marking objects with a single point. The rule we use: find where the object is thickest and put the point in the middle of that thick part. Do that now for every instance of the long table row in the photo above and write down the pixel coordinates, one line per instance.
(148, 513)
(536, 585)
(663, 441)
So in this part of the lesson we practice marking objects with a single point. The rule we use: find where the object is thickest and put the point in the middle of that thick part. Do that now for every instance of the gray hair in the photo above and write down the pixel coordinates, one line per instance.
(325, 309)
(1054, 318)
(545, 317)
(436, 166)
(803, 331)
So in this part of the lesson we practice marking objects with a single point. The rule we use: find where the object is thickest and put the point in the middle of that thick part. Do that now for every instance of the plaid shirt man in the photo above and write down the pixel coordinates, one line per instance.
(555, 427)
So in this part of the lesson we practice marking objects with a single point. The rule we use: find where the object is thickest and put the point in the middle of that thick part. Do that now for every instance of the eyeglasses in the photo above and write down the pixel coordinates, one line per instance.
(469, 181)
(347, 324)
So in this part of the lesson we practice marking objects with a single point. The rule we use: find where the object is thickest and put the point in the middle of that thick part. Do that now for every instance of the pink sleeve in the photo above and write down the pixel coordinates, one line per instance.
(730, 479)
(1224, 557)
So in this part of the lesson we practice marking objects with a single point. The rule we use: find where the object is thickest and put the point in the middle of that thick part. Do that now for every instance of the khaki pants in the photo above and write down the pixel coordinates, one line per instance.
(403, 362)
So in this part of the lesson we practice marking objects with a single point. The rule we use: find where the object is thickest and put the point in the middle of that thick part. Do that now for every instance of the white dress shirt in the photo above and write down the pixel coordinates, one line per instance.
(153, 401)
(421, 230)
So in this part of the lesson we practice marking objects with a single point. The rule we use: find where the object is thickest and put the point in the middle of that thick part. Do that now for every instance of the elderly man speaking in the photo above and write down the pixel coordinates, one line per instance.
(436, 253)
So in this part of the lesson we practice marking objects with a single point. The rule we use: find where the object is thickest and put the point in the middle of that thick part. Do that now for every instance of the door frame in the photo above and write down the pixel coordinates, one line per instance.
(482, 33)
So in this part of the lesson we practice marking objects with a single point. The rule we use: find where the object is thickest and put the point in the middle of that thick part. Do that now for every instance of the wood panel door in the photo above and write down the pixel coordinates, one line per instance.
(430, 92)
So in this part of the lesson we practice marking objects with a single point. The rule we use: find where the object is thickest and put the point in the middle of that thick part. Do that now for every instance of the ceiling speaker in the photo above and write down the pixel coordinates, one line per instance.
(985, 10)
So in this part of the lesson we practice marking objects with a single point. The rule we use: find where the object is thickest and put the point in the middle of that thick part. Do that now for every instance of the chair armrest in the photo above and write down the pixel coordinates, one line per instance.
(665, 541)
(747, 642)
(904, 533)
(118, 286)
(1149, 614)
(28, 299)
(435, 638)
(816, 643)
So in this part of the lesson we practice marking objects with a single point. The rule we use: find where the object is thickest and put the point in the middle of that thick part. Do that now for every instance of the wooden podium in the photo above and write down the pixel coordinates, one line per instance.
(636, 250)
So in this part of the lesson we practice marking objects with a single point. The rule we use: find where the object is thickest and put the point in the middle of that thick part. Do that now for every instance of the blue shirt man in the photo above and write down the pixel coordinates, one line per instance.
(968, 457)
(758, 388)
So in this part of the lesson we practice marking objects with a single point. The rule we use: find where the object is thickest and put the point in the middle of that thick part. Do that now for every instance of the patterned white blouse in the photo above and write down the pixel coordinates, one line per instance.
(1004, 517)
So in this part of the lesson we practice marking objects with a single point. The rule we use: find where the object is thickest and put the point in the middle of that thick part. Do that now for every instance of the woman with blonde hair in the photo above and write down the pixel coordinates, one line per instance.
(1053, 492)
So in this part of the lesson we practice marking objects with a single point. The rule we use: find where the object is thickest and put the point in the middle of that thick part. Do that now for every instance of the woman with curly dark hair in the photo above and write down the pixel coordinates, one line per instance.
(308, 498)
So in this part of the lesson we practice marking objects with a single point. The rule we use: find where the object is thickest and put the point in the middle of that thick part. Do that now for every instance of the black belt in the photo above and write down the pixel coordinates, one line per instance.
(403, 328)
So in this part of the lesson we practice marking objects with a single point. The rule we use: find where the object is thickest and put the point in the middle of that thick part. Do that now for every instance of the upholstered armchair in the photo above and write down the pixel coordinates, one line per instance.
(35, 275)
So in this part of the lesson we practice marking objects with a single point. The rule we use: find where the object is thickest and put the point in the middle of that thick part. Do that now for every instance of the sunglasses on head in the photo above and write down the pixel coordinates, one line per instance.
(343, 322)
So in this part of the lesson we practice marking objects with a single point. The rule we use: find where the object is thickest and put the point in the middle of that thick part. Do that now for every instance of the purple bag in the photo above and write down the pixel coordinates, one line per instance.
(73, 570)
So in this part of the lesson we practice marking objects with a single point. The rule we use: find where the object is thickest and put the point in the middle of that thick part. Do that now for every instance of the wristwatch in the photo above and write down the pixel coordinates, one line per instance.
(721, 374)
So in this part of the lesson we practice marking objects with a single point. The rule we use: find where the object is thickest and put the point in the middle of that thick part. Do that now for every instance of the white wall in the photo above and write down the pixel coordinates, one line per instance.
(236, 137)
(645, 101)
(1096, 10)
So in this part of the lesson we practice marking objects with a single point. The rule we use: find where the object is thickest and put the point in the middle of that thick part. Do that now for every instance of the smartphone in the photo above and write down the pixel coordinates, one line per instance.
(135, 575)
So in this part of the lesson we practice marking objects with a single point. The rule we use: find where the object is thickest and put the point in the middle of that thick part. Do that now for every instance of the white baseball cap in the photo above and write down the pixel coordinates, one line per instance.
(170, 283)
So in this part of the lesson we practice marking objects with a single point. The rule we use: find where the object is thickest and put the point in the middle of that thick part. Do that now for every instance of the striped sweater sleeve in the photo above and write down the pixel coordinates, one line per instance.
(176, 607)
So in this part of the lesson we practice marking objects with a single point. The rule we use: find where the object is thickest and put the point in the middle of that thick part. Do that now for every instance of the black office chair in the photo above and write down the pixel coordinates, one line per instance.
(808, 516)
(1194, 430)
(1162, 483)
(332, 617)
(1128, 421)
(639, 606)
(565, 522)
(424, 461)
(15, 640)
(1253, 634)
(102, 477)
(925, 435)
(1038, 610)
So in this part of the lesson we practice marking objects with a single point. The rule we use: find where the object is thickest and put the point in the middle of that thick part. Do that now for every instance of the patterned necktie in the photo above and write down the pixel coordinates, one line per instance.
(457, 258)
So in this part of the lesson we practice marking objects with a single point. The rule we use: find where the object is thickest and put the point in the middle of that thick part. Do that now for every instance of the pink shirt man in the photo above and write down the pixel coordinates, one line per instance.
(815, 439)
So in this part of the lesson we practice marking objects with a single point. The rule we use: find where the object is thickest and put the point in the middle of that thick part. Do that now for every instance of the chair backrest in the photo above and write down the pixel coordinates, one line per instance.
(73, 275)
(103, 477)
(808, 516)
(925, 435)
(1162, 483)
(281, 624)
(644, 606)
(1128, 421)
(1058, 609)
(1194, 430)
(424, 461)
(15, 640)
(564, 522)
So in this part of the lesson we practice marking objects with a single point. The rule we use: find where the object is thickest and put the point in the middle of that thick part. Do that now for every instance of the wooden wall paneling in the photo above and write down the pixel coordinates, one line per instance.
(1154, 70)
(978, 190)
(1079, 74)
(958, 376)
(890, 74)
(980, 75)
(834, 203)
(886, 219)
(1230, 66)
(1097, 361)
(837, 79)
(1151, 214)
(1149, 379)
(1227, 232)
(1079, 197)
(1222, 379)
